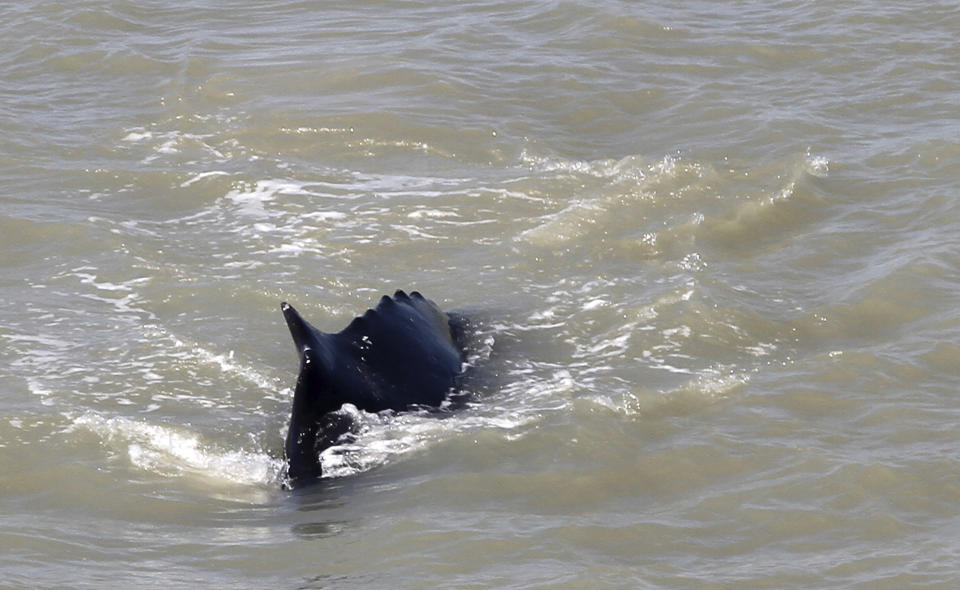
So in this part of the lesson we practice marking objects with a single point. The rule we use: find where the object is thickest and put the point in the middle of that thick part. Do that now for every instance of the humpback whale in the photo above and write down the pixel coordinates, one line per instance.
(403, 353)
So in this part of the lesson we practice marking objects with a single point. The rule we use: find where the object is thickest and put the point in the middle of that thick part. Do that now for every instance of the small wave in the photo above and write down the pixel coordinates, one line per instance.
(172, 144)
(626, 189)
(384, 437)
(199, 138)
(200, 176)
(779, 200)
(135, 136)
(630, 168)
(817, 166)
(175, 452)
(633, 207)
(251, 201)
(224, 361)
(700, 390)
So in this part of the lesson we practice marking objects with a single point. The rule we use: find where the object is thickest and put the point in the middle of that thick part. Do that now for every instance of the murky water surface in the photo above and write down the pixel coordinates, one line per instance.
(711, 251)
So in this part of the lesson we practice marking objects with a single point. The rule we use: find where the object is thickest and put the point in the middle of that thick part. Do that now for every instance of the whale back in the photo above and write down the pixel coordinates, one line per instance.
(401, 354)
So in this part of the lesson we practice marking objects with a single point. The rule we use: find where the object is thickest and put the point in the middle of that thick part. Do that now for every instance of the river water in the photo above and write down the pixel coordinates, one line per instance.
(711, 253)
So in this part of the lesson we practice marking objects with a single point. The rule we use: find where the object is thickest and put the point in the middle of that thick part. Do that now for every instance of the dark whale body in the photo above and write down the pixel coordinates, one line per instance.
(406, 352)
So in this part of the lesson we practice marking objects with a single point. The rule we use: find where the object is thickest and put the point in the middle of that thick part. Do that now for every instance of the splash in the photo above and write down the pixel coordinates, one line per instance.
(386, 437)
(177, 452)
(817, 166)
(252, 201)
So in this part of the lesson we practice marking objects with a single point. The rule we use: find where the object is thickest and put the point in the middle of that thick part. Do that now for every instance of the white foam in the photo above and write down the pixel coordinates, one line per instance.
(169, 147)
(325, 215)
(817, 166)
(595, 304)
(629, 168)
(761, 349)
(224, 361)
(610, 347)
(35, 388)
(135, 136)
(172, 451)
(252, 202)
(431, 213)
(654, 361)
(716, 383)
(385, 437)
(415, 232)
(203, 175)
(703, 388)
(91, 279)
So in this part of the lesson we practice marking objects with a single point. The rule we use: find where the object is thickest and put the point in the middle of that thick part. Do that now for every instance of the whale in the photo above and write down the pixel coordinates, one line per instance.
(403, 354)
